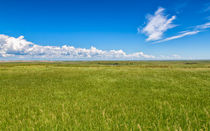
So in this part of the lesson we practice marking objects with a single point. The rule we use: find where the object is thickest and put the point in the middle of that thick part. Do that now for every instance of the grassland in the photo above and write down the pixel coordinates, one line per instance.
(104, 95)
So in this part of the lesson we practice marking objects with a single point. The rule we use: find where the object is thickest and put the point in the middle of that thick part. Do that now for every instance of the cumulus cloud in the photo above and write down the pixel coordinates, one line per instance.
(21, 48)
(157, 25)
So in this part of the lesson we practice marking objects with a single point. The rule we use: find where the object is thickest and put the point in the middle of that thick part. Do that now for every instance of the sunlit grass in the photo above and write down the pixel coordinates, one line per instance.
(105, 96)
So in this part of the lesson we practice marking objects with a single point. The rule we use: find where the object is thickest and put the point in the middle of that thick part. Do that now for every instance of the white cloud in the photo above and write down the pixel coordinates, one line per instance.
(183, 34)
(197, 29)
(176, 56)
(157, 25)
(21, 48)
(171, 57)
(203, 26)
(160, 23)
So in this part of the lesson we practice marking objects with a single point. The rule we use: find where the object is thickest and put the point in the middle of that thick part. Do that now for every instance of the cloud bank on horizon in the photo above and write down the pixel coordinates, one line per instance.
(159, 23)
(21, 48)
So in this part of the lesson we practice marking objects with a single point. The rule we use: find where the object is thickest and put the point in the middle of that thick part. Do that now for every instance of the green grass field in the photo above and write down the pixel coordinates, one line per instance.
(104, 95)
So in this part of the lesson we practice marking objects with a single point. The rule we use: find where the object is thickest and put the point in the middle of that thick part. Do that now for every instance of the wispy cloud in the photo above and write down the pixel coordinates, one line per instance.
(157, 25)
(21, 48)
(203, 26)
(178, 36)
(196, 30)
(171, 57)
(207, 8)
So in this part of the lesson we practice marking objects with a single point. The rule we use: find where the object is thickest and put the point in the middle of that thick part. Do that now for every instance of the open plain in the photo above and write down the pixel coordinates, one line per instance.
(105, 95)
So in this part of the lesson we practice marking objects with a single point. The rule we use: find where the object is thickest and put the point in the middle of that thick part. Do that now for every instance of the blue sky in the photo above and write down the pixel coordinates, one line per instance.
(105, 29)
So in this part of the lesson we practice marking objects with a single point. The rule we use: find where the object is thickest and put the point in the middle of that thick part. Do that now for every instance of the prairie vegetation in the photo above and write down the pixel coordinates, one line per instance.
(105, 95)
